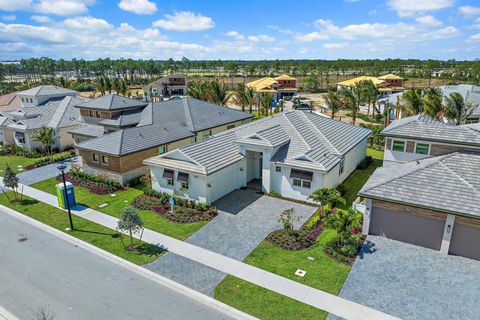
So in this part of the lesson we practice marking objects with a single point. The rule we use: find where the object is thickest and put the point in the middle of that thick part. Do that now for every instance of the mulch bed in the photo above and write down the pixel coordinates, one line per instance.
(91, 186)
(289, 239)
(181, 215)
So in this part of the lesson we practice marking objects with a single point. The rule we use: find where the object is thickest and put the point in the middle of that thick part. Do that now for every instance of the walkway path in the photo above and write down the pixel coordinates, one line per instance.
(42, 173)
(245, 218)
(292, 289)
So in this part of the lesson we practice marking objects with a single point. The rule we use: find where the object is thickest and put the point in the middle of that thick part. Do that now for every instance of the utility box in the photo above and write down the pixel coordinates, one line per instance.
(62, 202)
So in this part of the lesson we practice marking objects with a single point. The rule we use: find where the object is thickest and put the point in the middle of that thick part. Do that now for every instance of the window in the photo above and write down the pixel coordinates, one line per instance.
(398, 145)
(170, 182)
(342, 166)
(162, 149)
(472, 120)
(104, 159)
(91, 113)
(95, 157)
(185, 185)
(297, 182)
(207, 134)
(230, 126)
(278, 169)
(422, 148)
(97, 114)
(306, 184)
(23, 100)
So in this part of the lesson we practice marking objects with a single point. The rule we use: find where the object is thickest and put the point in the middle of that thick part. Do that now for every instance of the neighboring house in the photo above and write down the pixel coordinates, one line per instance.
(470, 94)
(291, 153)
(174, 84)
(431, 202)
(420, 137)
(10, 102)
(282, 87)
(119, 135)
(386, 84)
(48, 106)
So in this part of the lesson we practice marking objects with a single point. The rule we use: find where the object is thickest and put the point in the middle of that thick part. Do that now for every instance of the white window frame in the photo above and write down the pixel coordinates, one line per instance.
(341, 166)
(102, 158)
(305, 184)
(429, 147)
(207, 134)
(399, 140)
(165, 149)
(170, 182)
(94, 154)
(278, 169)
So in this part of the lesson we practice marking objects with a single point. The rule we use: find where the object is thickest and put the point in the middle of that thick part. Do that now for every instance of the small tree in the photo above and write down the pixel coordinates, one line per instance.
(10, 180)
(44, 135)
(131, 222)
(287, 218)
(327, 196)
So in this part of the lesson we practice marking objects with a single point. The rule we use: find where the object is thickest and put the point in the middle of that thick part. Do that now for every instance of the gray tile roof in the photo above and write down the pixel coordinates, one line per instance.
(130, 140)
(54, 114)
(311, 142)
(127, 118)
(469, 92)
(89, 130)
(112, 102)
(182, 118)
(47, 90)
(425, 128)
(447, 183)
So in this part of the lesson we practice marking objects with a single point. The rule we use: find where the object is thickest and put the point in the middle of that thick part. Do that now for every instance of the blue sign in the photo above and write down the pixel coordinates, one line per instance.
(171, 201)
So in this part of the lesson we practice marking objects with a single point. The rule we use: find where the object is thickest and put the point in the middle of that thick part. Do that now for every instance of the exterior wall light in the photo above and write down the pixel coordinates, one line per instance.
(449, 227)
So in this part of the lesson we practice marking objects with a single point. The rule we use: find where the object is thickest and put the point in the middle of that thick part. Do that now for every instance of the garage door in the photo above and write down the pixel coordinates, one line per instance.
(222, 185)
(465, 240)
(404, 226)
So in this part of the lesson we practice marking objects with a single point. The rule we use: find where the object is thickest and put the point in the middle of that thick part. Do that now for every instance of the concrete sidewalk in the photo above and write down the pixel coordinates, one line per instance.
(43, 173)
(322, 300)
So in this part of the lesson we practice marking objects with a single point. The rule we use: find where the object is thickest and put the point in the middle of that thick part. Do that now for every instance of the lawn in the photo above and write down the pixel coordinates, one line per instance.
(14, 162)
(323, 272)
(95, 234)
(115, 205)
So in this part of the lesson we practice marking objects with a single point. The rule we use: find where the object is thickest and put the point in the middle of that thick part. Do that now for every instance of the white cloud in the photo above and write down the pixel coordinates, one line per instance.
(408, 8)
(236, 35)
(469, 10)
(475, 37)
(57, 7)
(138, 6)
(88, 24)
(185, 21)
(9, 17)
(429, 20)
(41, 19)
(281, 30)
(334, 46)
(261, 38)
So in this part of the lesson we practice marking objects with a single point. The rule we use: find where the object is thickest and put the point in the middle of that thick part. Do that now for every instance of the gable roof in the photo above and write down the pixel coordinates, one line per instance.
(285, 77)
(262, 84)
(54, 114)
(300, 139)
(10, 102)
(351, 82)
(112, 102)
(422, 127)
(447, 183)
(161, 123)
(390, 76)
(47, 90)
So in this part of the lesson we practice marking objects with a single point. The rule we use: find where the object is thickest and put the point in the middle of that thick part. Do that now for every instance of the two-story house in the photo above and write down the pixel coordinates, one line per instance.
(428, 192)
(174, 84)
(120, 133)
(282, 87)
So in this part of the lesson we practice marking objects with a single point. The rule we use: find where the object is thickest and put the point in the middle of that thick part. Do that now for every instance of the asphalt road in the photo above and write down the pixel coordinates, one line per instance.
(46, 272)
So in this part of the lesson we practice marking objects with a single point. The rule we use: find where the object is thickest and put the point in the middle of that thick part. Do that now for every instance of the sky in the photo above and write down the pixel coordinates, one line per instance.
(240, 30)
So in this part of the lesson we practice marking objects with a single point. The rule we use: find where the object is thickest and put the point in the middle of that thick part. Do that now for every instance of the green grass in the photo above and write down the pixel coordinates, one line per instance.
(323, 273)
(13, 162)
(151, 220)
(95, 234)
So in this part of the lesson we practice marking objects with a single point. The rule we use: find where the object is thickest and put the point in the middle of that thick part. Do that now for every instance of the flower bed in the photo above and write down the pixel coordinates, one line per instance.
(185, 211)
(288, 239)
(346, 252)
(94, 184)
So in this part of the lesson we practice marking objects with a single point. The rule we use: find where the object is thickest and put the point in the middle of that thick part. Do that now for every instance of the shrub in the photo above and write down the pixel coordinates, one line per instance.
(344, 247)
(365, 163)
(95, 184)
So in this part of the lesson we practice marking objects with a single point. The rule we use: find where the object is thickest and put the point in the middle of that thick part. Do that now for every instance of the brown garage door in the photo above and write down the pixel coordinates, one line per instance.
(465, 240)
(399, 224)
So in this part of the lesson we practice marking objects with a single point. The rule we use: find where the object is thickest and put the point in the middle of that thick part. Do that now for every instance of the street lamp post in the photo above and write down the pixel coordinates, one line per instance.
(62, 168)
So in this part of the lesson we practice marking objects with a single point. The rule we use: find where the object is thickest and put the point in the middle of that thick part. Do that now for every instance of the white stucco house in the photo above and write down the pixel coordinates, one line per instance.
(291, 153)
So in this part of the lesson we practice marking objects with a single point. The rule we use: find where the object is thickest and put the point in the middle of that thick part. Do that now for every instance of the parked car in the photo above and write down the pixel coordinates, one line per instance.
(304, 106)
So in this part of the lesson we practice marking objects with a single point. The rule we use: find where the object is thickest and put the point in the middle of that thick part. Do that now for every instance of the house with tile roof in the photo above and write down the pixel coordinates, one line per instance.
(291, 153)
(386, 85)
(47, 106)
(283, 87)
(420, 137)
(428, 191)
(173, 84)
(10, 102)
(119, 133)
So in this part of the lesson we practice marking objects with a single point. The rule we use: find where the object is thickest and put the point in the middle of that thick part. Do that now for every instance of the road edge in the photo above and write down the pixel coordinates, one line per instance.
(200, 297)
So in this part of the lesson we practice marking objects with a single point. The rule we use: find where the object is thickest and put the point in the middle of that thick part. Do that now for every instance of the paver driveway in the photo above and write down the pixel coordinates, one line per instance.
(245, 218)
(412, 282)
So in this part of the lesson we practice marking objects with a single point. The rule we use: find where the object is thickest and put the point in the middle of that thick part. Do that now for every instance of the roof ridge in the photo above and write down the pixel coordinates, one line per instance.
(60, 112)
(460, 177)
(323, 136)
(121, 141)
(296, 131)
(188, 113)
(439, 159)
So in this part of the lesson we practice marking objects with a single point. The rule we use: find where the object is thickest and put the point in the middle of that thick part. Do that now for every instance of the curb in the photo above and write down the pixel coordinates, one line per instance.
(200, 297)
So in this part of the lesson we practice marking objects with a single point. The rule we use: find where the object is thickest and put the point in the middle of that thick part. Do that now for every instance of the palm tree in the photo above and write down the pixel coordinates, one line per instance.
(239, 96)
(327, 196)
(432, 102)
(457, 109)
(334, 102)
(266, 99)
(351, 99)
(250, 98)
(413, 101)
(101, 85)
(369, 93)
(219, 93)
(44, 135)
